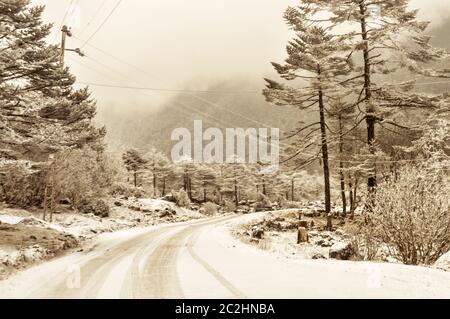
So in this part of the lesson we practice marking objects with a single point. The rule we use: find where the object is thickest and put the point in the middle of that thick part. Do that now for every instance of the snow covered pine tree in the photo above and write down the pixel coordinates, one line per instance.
(40, 111)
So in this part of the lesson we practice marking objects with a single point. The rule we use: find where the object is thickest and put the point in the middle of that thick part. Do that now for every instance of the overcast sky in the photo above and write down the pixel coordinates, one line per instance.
(180, 44)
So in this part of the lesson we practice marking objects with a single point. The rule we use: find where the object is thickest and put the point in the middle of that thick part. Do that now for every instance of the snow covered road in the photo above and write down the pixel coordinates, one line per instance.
(200, 259)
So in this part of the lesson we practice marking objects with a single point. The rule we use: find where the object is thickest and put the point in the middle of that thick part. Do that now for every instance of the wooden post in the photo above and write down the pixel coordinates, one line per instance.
(302, 236)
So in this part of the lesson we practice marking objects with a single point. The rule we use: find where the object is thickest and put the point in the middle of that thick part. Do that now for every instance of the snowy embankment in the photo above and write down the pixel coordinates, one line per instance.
(281, 277)
(26, 239)
(276, 232)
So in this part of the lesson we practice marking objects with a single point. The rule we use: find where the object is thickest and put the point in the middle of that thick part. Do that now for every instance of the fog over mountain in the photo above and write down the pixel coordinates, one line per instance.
(207, 45)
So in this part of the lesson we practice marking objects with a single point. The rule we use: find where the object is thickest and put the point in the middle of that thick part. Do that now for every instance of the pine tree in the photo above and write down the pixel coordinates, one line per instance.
(234, 178)
(159, 166)
(40, 112)
(134, 162)
(316, 56)
(387, 38)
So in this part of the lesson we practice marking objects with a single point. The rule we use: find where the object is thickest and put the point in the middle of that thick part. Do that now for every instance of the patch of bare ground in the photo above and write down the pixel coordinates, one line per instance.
(23, 244)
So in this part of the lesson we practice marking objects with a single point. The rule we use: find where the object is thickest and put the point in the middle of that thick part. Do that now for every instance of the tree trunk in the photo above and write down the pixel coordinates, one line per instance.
(350, 196)
(204, 193)
(164, 187)
(185, 183)
(189, 187)
(154, 184)
(292, 190)
(326, 168)
(341, 167)
(236, 197)
(264, 188)
(135, 178)
(370, 118)
(354, 198)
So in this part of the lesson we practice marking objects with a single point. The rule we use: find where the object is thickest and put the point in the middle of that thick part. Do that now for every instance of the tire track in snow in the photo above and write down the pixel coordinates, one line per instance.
(221, 279)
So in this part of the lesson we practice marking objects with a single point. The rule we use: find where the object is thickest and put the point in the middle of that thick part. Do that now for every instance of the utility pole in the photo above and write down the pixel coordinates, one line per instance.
(65, 32)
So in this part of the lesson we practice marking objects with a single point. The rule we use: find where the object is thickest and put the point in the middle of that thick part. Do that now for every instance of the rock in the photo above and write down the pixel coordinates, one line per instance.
(33, 237)
(65, 201)
(195, 207)
(339, 232)
(135, 208)
(443, 263)
(318, 256)
(270, 224)
(118, 204)
(323, 242)
(258, 233)
(308, 213)
(342, 251)
(167, 213)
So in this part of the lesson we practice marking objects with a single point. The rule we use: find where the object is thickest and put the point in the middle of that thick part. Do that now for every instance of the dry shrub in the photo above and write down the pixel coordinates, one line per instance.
(127, 190)
(21, 185)
(262, 203)
(291, 205)
(411, 215)
(182, 198)
(210, 209)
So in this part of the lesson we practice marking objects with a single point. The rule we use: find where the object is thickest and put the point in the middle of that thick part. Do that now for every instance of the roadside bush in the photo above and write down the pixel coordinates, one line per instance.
(288, 205)
(411, 216)
(98, 207)
(79, 174)
(209, 209)
(182, 198)
(20, 185)
(262, 203)
(127, 190)
(228, 205)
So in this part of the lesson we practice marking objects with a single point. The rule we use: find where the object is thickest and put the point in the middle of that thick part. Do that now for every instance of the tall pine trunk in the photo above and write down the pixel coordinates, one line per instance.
(236, 195)
(326, 166)
(154, 184)
(164, 187)
(341, 167)
(350, 196)
(292, 190)
(370, 118)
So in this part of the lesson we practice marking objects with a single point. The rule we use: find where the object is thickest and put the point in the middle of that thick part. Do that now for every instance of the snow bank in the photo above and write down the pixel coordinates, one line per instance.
(443, 263)
(10, 219)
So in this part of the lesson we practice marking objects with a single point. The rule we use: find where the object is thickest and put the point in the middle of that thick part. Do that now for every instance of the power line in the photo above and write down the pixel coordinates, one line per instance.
(163, 89)
(71, 4)
(190, 92)
(94, 16)
(102, 24)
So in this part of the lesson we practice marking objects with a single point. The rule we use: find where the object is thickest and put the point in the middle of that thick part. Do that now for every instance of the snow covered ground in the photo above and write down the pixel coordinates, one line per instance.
(260, 274)
(202, 259)
(31, 240)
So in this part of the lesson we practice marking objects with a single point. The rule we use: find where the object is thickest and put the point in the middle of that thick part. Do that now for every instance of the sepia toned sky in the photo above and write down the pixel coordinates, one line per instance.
(179, 44)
